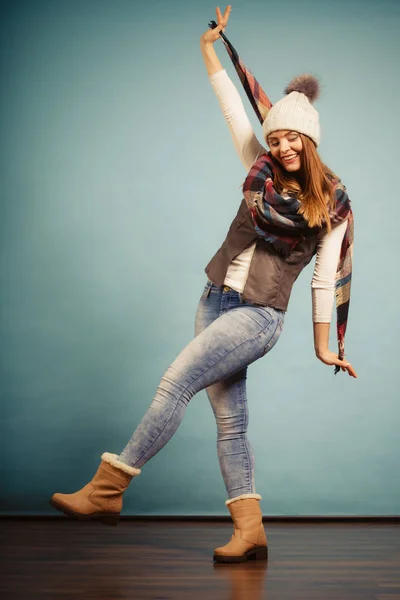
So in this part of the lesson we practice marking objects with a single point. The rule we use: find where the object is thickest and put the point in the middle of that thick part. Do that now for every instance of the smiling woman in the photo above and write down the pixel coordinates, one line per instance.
(293, 208)
(298, 169)
(294, 149)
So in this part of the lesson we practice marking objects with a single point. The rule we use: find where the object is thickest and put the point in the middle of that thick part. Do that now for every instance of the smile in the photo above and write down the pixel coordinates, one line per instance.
(290, 158)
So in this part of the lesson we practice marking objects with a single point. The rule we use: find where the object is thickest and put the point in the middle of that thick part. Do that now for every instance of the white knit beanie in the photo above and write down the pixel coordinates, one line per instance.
(295, 111)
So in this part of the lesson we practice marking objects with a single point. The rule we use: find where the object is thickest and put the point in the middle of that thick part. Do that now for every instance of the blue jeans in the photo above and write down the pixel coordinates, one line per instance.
(230, 334)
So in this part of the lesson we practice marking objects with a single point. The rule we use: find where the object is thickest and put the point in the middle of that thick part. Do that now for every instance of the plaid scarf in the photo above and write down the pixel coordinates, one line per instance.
(276, 219)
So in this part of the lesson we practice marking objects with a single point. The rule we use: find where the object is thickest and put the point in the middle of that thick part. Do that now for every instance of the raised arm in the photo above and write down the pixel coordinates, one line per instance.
(208, 39)
(247, 145)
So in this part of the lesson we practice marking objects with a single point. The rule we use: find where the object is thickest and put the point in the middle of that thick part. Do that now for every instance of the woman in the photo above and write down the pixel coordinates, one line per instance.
(241, 311)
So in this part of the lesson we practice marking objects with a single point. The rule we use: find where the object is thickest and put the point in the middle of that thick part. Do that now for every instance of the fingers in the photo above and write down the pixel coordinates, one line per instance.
(330, 358)
(348, 367)
(227, 13)
(351, 371)
(221, 24)
(222, 20)
(345, 366)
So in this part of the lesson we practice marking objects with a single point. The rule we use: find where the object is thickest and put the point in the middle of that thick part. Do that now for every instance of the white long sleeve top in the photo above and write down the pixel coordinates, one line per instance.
(249, 149)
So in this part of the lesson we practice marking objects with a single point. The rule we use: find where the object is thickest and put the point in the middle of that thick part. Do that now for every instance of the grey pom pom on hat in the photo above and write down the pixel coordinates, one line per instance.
(305, 84)
(295, 111)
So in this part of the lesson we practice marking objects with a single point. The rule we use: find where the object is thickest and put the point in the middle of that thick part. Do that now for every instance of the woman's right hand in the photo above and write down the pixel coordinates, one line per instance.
(212, 35)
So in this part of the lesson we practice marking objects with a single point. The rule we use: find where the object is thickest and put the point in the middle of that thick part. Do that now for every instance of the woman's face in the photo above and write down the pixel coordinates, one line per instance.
(286, 147)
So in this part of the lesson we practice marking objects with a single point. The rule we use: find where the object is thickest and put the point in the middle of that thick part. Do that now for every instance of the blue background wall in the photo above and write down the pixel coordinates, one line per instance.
(119, 181)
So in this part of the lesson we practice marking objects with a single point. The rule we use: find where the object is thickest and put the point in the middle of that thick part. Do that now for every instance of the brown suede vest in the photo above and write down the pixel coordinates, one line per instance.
(271, 275)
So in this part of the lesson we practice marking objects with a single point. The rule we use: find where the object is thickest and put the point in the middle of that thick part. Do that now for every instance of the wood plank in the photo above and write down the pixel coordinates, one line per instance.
(170, 560)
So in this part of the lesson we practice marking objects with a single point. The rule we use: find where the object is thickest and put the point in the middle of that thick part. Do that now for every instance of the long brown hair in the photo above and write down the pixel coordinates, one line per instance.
(313, 187)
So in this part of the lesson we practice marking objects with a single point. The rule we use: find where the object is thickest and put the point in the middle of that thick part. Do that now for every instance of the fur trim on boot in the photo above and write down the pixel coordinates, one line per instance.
(112, 459)
(243, 497)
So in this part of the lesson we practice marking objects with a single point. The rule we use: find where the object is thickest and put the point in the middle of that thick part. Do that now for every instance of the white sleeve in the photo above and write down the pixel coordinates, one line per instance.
(323, 280)
(247, 145)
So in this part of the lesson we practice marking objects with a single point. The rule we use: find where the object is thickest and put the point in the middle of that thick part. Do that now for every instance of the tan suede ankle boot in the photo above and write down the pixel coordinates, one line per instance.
(248, 541)
(101, 498)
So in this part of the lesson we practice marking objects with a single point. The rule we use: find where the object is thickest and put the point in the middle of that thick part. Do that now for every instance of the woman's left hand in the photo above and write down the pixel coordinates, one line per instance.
(330, 358)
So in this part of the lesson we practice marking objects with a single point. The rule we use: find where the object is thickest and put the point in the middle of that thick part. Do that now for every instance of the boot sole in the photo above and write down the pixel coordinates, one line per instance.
(254, 554)
(106, 518)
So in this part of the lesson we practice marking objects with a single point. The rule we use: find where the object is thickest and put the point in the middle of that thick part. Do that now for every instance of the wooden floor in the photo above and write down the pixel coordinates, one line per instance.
(68, 560)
